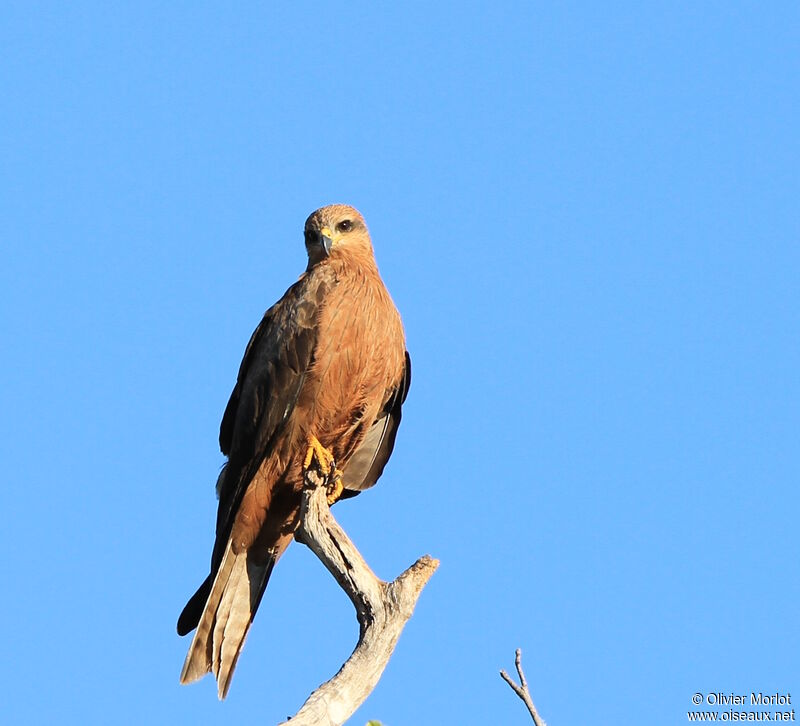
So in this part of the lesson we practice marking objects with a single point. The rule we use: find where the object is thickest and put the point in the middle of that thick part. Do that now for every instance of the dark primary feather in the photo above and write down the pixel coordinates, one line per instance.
(190, 615)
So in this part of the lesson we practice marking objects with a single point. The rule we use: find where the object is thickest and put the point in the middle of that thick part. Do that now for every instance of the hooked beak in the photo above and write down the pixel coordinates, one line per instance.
(326, 240)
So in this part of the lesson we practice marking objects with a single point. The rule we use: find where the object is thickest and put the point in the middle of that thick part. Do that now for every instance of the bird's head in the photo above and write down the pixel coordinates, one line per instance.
(337, 228)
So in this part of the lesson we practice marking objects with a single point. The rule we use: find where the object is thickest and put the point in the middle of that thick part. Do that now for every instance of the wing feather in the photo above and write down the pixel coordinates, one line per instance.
(367, 463)
(270, 379)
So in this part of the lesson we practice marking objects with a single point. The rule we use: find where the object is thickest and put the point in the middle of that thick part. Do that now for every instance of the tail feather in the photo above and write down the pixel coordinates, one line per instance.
(230, 593)
(226, 618)
(250, 579)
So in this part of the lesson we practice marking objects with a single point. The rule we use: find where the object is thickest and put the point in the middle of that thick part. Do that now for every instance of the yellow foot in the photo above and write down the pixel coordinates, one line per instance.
(327, 467)
(335, 487)
(324, 456)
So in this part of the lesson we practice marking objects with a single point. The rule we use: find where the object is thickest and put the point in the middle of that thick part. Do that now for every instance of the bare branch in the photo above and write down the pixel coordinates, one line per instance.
(382, 609)
(522, 689)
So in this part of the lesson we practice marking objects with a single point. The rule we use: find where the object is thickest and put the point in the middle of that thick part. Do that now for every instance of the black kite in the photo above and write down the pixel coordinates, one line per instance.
(324, 375)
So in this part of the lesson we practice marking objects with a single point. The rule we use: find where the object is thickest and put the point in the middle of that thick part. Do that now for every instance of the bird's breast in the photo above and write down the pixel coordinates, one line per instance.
(358, 358)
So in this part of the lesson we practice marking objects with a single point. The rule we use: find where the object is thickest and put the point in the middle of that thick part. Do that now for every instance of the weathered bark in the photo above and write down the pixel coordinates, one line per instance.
(382, 609)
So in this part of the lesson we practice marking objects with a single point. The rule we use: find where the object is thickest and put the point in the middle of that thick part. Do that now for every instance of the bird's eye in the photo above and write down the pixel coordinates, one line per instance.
(345, 225)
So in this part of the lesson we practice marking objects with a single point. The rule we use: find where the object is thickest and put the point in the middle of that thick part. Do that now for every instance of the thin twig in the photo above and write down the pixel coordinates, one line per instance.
(522, 689)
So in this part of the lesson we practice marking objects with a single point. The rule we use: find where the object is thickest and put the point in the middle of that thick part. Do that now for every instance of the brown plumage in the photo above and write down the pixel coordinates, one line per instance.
(328, 361)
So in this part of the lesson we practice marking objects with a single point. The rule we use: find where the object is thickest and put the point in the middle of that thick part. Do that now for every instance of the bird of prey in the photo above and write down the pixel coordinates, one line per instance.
(322, 381)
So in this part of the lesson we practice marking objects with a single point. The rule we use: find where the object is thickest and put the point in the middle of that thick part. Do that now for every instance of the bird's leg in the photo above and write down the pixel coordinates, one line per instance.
(327, 466)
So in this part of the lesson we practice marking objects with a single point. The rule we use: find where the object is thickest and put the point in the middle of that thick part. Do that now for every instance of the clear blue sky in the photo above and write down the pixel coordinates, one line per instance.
(588, 217)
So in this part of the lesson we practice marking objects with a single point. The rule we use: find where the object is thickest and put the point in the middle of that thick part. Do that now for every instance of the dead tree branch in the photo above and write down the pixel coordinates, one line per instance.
(522, 689)
(382, 609)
